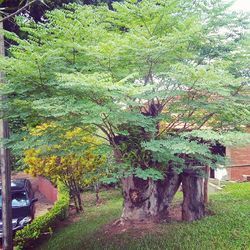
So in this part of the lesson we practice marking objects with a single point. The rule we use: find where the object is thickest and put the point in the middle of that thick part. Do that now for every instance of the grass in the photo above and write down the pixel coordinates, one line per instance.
(228, 229)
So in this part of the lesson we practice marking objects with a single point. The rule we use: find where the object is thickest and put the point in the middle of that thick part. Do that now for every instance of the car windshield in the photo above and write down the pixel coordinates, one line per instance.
(19, 199)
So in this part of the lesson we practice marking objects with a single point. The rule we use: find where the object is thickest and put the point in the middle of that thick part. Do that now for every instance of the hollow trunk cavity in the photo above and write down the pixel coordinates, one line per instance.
(148, 199)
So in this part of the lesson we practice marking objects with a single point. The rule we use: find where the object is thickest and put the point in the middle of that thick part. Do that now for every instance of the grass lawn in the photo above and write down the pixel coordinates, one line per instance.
(228, 229)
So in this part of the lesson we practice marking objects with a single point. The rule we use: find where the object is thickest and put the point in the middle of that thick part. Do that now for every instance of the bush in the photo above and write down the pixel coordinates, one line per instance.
(44, 224)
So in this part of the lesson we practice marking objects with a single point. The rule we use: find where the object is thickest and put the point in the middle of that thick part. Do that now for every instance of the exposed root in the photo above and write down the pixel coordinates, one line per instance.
(120, 222)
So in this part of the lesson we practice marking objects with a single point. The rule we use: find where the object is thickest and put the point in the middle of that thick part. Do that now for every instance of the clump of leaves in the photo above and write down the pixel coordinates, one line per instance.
(59, 162)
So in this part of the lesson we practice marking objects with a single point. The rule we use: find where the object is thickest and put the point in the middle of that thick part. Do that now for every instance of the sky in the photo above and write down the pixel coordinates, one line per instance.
(242, 5)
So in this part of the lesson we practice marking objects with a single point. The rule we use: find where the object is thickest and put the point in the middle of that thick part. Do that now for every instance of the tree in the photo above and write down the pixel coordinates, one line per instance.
(150, 78)
(74, 168)
(36, 9)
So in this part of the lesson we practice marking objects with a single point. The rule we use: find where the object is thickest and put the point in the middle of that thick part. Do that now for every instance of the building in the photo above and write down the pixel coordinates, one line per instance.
(239, 168)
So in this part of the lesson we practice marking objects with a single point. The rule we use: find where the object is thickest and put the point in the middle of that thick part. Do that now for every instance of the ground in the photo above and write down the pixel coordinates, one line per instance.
(228, 227)
(42, 205)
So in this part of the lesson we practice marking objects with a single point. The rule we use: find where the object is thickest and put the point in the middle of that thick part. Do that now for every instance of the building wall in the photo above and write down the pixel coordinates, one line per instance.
(240, 162)
(47, 189)
(238, 173)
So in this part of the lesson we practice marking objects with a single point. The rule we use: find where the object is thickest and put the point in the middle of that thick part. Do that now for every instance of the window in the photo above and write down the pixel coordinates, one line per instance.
(19, 199)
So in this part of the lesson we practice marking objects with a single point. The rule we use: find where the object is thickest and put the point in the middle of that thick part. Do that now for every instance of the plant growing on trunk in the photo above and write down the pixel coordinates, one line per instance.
(160, 82)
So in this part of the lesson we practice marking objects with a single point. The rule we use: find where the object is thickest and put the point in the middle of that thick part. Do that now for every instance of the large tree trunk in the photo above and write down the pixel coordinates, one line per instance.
(148, 199)
(193, 207)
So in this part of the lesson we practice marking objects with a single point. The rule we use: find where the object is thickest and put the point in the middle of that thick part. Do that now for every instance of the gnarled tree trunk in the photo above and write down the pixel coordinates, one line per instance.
(148, 199)
(193, 207)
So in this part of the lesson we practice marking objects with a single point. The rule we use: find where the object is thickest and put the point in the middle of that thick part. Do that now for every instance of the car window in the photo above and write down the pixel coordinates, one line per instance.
(19, 199)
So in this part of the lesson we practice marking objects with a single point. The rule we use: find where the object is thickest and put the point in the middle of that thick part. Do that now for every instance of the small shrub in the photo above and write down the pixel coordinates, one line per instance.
(46, 222)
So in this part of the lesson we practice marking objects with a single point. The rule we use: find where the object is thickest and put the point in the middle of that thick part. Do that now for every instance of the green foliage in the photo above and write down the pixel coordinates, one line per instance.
(141, 77)
(77, 164)
(233, 138)
(182, 153)
(148, 173)
(121, 171)
(43, 224)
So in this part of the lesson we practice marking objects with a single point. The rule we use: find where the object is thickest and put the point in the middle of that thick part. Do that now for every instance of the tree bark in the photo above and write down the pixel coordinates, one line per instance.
(148, 199)
(206, 195)
(97, 188)
(166, 191)
(78, 195)
(76, 204)
(193, 207)
(5, 168)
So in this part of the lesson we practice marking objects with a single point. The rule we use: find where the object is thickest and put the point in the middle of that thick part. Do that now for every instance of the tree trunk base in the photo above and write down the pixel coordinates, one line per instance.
(193, 207)
(148, 199)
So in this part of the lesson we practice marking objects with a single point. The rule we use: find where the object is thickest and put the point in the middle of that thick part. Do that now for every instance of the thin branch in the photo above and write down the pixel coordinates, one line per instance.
(145, 24)
(103, 130)
(171, 125)
(108, 125)
(206, 119)
(18, 11)
(237, 90)
(102, 137)
(159, 21)
(39, 71)
(149, 74)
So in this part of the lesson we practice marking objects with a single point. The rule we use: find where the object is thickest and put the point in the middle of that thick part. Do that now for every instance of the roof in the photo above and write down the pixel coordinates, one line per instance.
(17, 184)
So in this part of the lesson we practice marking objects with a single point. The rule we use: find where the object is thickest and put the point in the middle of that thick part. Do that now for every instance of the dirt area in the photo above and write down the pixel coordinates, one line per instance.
(43, 205)
(138, 228)
(133, 229)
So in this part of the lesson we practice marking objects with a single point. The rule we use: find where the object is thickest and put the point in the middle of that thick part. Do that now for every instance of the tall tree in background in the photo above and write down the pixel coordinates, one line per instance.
(37, 9)
(160, 81)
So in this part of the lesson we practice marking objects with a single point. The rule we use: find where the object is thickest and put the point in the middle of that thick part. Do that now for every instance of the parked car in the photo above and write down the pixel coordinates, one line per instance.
(23, 204)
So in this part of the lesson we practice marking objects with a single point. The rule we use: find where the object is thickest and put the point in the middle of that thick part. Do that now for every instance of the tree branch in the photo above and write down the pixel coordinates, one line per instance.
(206, 118)
(18, 11)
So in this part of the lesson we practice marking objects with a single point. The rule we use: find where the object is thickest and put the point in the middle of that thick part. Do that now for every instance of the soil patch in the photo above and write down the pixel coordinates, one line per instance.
(138, 229)
(133, 229)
